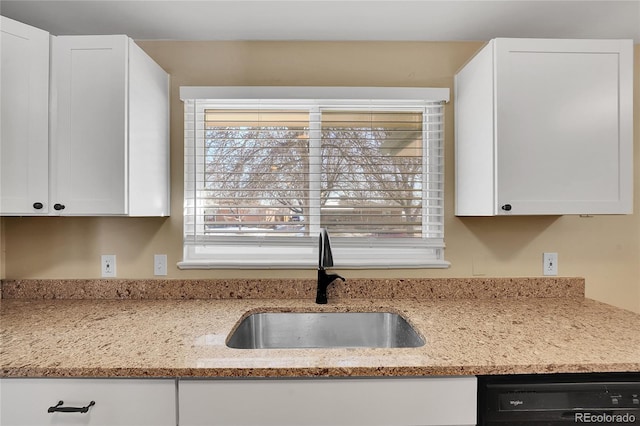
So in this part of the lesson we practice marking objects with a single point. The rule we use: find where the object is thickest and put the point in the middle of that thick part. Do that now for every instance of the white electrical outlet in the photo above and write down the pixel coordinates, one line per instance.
(108, 265)
(159, 264)
(550, 263)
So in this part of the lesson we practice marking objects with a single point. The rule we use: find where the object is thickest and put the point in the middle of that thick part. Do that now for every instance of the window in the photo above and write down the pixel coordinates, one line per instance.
(264, 173)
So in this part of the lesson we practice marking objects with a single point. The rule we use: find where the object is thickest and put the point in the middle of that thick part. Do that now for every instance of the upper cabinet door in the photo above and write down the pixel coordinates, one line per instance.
(90, 124)
(545, 127)
(563, 131)
(24, 114)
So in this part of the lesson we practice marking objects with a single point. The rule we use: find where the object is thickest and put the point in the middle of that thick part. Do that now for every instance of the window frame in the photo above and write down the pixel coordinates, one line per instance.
(302, 252)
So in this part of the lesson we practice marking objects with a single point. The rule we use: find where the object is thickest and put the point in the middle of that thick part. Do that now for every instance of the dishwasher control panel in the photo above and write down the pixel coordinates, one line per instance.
(559, 399)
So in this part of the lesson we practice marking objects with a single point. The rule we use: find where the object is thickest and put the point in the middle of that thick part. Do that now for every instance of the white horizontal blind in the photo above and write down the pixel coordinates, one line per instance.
(372, 173)
(272, 174)
(256, 172)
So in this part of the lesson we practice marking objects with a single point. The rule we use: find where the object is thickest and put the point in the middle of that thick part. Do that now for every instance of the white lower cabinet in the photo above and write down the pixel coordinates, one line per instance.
(329, 402)
(118, 402)
(415, 401)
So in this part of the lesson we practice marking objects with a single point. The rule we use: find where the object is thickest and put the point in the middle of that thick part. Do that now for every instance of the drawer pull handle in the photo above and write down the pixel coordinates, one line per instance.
(58, 408)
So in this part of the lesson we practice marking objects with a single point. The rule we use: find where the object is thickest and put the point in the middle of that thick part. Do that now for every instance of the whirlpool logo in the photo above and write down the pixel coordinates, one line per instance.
(604, 418)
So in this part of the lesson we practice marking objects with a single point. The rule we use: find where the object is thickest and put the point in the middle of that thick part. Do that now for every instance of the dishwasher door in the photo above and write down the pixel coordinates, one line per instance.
(559, 399)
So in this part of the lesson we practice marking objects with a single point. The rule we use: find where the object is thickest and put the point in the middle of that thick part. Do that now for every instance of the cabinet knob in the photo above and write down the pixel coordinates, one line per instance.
(38, 206)
(58, 206)
(506, 207)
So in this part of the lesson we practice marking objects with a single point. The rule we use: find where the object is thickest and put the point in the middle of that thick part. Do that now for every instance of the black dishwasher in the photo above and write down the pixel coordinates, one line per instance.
(559, 399)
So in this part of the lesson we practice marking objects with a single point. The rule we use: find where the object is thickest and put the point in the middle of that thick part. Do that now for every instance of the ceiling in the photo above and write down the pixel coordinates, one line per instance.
(331, 19)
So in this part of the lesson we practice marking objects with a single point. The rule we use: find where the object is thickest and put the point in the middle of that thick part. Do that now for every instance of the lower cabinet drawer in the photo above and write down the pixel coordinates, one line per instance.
(117, 402)
(329, 402)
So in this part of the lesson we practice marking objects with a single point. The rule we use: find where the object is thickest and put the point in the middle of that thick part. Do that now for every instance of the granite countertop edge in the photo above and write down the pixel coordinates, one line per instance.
(313, 372)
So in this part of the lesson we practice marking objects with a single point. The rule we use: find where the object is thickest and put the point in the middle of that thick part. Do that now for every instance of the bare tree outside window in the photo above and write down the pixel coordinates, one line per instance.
(258, 174)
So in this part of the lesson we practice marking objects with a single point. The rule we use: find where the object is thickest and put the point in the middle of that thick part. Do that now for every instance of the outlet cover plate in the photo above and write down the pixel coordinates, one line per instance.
(108, 265)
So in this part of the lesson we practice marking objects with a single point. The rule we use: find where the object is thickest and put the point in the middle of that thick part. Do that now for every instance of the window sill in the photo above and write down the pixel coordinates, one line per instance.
(204, 264)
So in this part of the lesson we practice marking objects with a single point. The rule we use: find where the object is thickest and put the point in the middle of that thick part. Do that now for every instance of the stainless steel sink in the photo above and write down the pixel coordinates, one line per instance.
(324, 330)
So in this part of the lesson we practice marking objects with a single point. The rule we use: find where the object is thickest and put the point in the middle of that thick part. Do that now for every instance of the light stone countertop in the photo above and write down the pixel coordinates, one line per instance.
(186, 338)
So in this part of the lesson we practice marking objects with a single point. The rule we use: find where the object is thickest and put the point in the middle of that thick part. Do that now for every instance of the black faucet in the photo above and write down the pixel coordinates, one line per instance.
(325, 260)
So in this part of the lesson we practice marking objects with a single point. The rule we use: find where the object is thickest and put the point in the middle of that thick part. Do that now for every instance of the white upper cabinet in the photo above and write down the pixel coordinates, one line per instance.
(109, 128)
(544, 127)
(88, 135)
(24, 118)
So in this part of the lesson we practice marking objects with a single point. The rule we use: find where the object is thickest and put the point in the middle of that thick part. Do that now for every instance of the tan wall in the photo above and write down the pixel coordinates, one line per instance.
(2, 261)
(604, 249)
(636, 156)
